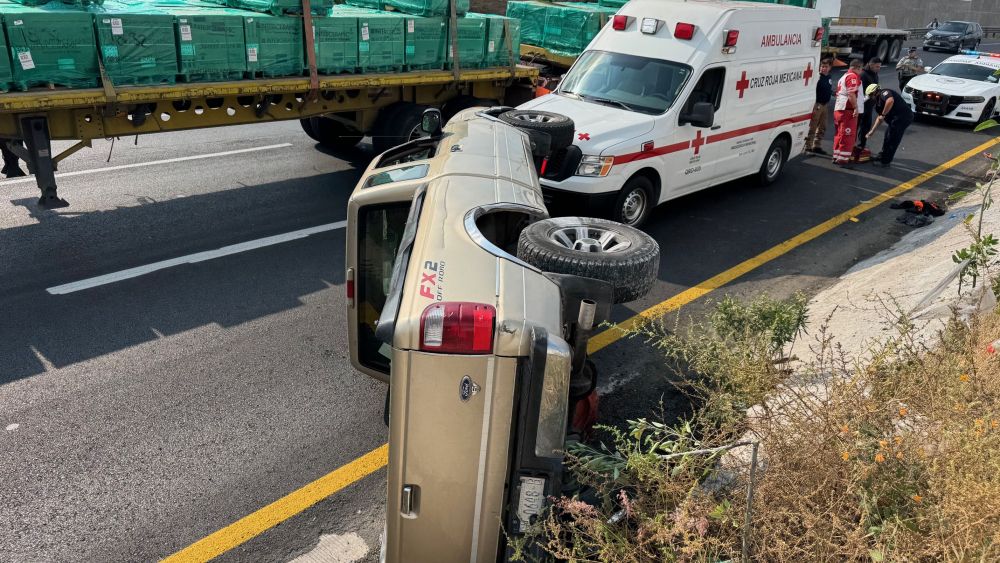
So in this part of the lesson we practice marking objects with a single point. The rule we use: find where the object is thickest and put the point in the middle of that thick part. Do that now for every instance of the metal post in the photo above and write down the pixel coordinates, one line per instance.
(35, 131)
(749, 513)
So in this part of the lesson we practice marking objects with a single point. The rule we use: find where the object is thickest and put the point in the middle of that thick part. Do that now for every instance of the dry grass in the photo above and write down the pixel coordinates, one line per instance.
(896, 460)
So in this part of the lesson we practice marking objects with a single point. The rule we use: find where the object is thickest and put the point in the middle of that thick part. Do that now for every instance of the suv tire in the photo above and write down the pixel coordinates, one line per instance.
(623, 256)
(559, 127)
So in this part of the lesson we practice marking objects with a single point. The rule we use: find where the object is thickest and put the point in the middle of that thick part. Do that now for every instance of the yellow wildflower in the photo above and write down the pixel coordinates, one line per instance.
(898, 440)
(964, 378)
(845, 429)
(979, 422)
(917, 498)
(845, 456)
(883, 443)
(879, 458)
(902, 412)
(899, 456)
(994, 424)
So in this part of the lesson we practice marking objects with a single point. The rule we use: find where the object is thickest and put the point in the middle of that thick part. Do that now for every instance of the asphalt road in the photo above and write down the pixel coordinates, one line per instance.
(144, 414)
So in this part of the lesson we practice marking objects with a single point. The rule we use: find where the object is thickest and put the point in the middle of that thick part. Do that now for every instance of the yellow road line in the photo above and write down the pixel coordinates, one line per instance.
(282, 509)
(277, 512)
(610, 336)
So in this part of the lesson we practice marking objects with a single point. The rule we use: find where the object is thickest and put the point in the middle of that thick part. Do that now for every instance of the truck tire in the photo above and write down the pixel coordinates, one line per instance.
(308, 128)
(774, 162)
(462, 103)
(896, 50)
(559, 127)
(623, 256)
(396, 124)
(334, 134)
(882, 49)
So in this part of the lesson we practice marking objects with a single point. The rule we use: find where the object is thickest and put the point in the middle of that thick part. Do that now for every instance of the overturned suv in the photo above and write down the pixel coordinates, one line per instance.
(476, 307)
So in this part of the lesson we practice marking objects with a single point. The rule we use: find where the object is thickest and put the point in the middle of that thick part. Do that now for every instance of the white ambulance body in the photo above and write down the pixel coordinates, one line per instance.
(633, 93)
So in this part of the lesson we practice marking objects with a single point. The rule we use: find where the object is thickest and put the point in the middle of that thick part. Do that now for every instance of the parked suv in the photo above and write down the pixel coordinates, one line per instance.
(954, 36)
(476, 307)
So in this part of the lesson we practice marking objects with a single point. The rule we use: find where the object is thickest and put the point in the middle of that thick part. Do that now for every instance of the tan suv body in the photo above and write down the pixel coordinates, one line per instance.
(471, 339)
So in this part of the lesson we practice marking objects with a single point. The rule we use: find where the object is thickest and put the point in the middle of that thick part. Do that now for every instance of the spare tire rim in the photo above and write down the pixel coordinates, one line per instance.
(590, 239)
(634, 206)
(533, 117)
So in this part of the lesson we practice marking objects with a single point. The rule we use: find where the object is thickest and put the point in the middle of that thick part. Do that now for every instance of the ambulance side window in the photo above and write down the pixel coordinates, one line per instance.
(708, 89)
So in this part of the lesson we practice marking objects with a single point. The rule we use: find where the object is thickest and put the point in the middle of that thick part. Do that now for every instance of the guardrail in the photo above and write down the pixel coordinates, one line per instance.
(988, 32)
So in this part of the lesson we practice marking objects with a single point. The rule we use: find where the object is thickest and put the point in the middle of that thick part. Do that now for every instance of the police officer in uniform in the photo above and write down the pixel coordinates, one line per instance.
(896, 113)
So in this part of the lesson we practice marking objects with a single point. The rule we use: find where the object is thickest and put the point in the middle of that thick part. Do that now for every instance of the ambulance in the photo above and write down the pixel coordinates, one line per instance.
(675, 96)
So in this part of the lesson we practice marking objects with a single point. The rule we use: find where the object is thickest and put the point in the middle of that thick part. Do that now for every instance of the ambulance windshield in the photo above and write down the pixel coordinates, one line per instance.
(628, 82)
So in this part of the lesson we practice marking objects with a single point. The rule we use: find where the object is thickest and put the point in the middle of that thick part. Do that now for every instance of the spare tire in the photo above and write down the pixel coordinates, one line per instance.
(557, 126)
(623, 256)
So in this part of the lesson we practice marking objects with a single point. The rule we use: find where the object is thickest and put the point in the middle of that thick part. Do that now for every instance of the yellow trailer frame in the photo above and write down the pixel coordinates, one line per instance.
(39, 116)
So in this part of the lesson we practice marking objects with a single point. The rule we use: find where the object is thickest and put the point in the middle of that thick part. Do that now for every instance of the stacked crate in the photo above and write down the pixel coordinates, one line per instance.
(497, 53)
(336, 42)
(136, 47)
(381, 38)
(51, 45)
(6, 72)
(563, 28)
(274, 46)
(471, 43)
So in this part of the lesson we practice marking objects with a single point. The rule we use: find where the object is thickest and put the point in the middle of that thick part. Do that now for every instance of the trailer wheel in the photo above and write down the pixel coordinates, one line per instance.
(308, 128)
(334, 134)
(396, 124)
(774, 162)
(623, 256)
(882, 50)
(895, 50)
(559, 127)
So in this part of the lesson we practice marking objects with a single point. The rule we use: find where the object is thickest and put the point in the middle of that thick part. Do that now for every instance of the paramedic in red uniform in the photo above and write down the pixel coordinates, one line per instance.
(845, 114)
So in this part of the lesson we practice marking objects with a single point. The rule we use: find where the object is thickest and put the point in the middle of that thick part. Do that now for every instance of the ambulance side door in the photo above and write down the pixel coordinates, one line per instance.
(694, 167)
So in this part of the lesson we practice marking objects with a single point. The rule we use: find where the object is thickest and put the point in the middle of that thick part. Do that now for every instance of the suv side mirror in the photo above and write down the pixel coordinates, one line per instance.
(702, 115)
(430, 122)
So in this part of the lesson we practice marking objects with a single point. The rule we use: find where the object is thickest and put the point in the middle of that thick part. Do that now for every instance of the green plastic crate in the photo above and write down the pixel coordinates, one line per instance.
(278, 7)
(6, 76)
(612, 3)
(274, 46)
(67, 2)
(562, 29)
(426, 40)
(210, 44)
(532, 18)
(136, 48)
(497, 53)
(471, 43)
(381, 39)
(336, 40)
(51, 45)
(428, 8)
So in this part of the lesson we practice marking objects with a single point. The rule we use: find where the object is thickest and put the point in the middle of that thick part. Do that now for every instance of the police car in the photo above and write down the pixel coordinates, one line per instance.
(962, 88)
(675, 97)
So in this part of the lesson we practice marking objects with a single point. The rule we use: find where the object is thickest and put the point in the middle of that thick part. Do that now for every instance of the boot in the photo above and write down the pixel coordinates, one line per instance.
(12, 171)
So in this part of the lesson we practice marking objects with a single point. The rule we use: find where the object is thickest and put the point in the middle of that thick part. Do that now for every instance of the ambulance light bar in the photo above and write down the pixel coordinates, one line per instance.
(732, 37)
(818, 36)
(619, 23)
(684, 31)
(649, 25)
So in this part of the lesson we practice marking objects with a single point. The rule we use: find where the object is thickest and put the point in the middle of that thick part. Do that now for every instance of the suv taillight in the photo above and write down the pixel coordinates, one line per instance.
(457, 328)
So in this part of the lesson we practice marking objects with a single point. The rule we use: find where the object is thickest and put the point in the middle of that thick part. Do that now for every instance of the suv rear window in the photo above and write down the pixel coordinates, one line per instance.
(380, 232)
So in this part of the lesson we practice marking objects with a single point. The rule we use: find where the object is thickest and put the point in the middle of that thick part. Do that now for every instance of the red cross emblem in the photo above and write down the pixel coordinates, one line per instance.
(808, 73)
(583, 136)
(742, 84)
(698, 142)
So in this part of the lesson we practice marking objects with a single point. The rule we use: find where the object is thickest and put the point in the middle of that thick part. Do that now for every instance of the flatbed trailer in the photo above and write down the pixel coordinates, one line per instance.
(864, 38)
(336, 110)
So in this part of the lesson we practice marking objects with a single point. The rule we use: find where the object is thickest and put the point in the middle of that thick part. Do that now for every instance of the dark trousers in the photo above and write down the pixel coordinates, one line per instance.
(864, 126)
(903, 81)
(9, 158)
(894, 136)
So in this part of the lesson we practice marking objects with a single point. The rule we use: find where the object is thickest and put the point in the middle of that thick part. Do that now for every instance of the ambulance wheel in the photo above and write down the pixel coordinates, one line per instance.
(308, 128)
(334, 134)
(635, 202)
(559, 127)
(774, 162)
(396, 124)
(623, 256)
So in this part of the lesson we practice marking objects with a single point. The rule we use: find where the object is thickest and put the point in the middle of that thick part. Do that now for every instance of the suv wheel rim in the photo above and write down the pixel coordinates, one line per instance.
(594, 239)
(533, 117)
(634, 206)
(774, 163)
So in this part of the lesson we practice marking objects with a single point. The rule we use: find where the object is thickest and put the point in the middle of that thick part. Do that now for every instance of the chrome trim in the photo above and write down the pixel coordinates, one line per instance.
(553, 409)
(473, 230)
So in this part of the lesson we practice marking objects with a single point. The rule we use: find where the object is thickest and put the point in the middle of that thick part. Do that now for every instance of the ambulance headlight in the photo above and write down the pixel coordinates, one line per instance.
(595, 166)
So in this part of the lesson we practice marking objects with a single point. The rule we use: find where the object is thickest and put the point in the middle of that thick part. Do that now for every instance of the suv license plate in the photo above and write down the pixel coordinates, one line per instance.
(529, 502)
